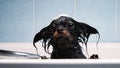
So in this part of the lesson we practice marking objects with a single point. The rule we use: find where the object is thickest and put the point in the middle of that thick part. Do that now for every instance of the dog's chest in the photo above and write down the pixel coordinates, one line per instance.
(64, 53)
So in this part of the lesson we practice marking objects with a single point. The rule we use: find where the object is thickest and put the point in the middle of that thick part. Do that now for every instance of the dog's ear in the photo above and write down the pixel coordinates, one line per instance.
(84, 31)
(44, 35)
(85, 28)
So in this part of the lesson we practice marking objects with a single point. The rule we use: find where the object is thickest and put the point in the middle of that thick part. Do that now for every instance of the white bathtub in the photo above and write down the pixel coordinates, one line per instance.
(104, 50)
(108, 52)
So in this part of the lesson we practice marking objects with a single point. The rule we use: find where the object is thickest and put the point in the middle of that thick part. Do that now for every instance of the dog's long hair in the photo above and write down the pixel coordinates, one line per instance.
(82, 31)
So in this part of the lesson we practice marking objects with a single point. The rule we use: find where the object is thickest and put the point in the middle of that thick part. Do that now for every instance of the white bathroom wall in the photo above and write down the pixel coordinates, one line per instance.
(21, 19)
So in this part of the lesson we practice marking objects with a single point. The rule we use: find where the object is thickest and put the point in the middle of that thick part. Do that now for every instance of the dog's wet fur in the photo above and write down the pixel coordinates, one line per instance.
(64, 34)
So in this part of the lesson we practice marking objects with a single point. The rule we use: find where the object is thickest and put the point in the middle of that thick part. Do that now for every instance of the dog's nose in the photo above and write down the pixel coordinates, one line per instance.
(59, 30)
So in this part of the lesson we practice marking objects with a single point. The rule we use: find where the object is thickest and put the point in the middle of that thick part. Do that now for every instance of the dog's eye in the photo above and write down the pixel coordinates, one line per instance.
(54, 25)
(71, 25)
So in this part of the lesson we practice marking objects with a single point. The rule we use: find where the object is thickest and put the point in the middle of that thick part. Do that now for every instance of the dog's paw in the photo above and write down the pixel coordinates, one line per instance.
(44, 57)
(94, 56)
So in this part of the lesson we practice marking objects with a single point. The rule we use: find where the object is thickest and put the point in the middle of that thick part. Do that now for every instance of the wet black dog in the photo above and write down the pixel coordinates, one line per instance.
(65, 34)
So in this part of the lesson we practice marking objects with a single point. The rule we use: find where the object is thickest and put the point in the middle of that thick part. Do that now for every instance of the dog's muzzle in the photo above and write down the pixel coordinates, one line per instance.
(62, 37)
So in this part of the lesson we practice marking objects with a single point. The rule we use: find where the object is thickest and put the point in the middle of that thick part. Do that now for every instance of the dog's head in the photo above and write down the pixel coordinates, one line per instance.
(64, 32)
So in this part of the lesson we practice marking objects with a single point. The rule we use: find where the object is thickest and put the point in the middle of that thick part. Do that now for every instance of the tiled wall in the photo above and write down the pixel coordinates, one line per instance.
(21, 19)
